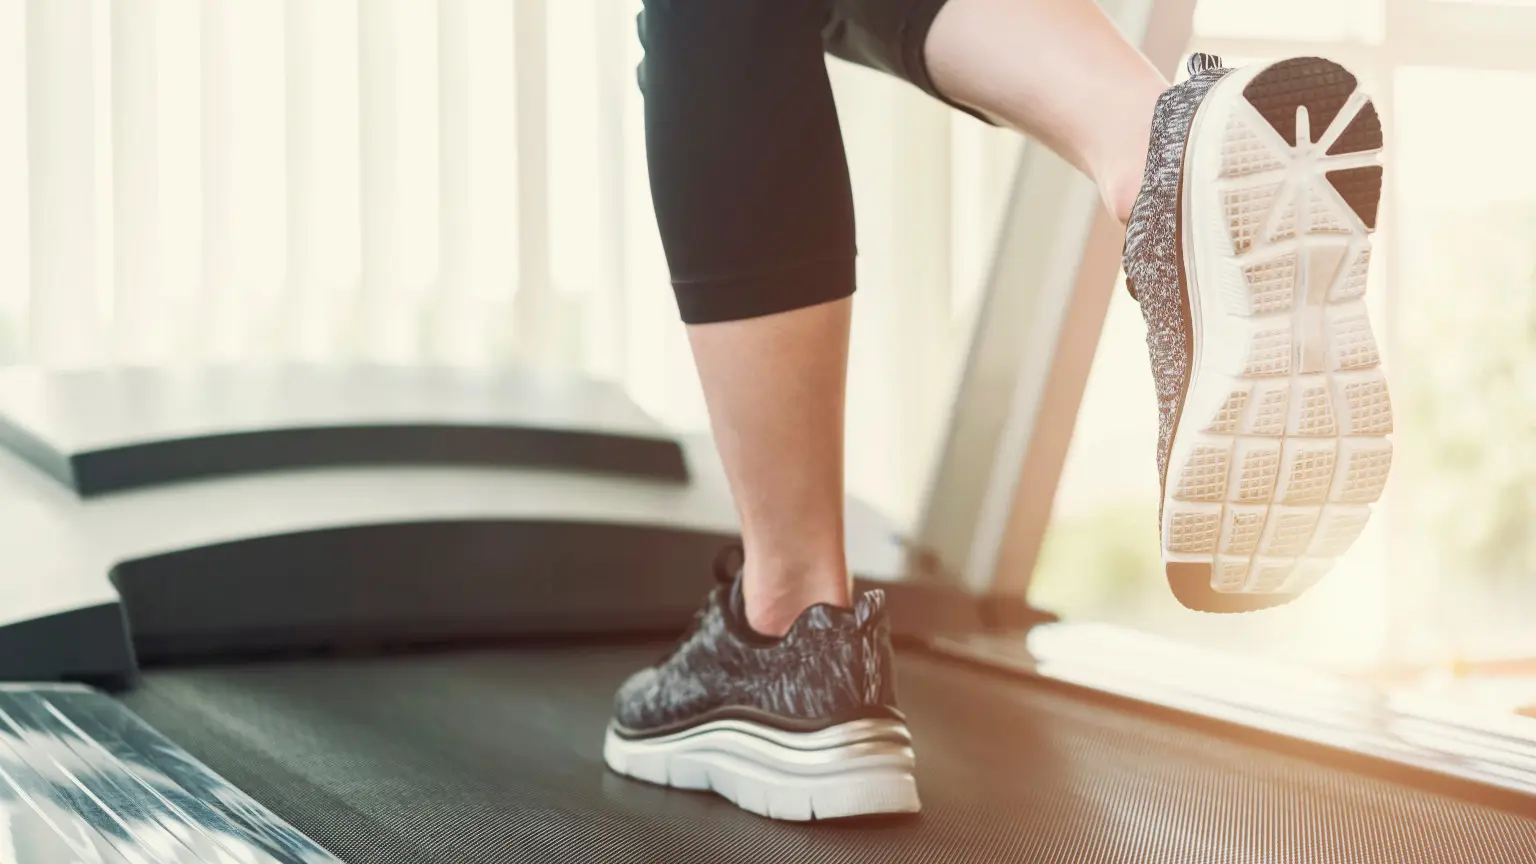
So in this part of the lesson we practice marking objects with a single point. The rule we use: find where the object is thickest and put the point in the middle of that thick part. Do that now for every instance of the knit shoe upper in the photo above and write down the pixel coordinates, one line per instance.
(1154, 267)
(833, 665)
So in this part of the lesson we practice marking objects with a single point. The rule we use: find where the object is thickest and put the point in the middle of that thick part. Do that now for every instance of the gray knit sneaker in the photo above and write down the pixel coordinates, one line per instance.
(1247, 250)
(803, 726)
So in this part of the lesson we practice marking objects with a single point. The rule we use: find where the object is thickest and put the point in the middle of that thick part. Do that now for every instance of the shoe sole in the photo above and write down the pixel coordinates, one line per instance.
(860, 768)
(1281, 443)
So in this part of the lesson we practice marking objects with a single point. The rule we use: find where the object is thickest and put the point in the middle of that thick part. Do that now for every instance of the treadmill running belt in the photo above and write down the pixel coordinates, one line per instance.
(495, 757)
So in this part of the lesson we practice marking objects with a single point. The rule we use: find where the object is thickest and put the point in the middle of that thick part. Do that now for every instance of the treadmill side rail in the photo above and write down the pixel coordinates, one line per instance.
(113, 430)
(83, 779)
(89, 643)
(1430, 744)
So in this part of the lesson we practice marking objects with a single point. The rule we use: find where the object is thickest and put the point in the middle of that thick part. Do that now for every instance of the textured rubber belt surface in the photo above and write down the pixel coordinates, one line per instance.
(494, 757)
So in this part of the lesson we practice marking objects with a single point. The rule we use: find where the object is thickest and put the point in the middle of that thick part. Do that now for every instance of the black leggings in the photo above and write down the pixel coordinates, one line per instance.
(748, 174)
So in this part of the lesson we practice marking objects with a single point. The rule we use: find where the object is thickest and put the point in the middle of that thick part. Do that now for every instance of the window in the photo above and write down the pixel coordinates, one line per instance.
(1446, 572)
(1465, 300)
(1312, 20)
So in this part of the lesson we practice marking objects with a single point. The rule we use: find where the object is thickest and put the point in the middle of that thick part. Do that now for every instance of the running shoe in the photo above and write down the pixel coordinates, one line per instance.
(799, 727)
(1248, 249)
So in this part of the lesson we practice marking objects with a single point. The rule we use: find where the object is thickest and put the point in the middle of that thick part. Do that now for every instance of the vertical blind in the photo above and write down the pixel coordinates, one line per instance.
(429, 181)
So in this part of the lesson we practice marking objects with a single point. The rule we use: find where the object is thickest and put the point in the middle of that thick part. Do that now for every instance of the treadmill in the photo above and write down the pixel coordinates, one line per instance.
(378, 615)
(294, 615)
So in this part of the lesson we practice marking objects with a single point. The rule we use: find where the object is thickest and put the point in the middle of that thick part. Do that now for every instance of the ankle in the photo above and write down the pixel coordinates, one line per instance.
(1119, 194)
(775, 594)
(1119, 174)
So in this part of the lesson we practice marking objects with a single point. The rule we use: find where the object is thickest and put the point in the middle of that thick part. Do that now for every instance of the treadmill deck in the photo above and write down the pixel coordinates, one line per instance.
(83, 780)
(495, 757)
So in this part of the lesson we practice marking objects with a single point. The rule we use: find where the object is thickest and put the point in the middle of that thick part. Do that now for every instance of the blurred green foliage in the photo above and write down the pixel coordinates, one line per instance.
(1465, 380)
(1100, 564)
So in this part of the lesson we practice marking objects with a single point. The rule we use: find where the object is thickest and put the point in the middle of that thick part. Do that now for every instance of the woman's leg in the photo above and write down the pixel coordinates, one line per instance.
(1056, 70)
(752, 196)
(753, 200)
(1273, 409)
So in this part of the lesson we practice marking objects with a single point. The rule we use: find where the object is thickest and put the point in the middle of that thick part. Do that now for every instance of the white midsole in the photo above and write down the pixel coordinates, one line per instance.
(1201, 255)
(859, 768)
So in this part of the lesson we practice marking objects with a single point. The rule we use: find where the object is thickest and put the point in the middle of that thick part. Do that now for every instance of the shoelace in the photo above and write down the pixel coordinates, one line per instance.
(727, 565)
